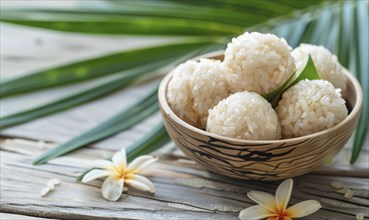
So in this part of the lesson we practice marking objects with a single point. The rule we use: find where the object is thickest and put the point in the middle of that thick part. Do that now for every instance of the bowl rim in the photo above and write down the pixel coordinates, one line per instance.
(165, 105)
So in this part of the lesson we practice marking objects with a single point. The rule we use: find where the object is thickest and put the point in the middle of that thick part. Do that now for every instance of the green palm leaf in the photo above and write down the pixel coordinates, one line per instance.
(154, 17)
(363, 70)
(99, 66)
(114, 83)
(136, 25)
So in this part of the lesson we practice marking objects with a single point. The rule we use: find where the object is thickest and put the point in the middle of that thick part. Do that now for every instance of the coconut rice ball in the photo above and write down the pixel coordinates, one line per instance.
(325, 62)
(244, 115)
(310, 106)
(258, 62)
(195, 88)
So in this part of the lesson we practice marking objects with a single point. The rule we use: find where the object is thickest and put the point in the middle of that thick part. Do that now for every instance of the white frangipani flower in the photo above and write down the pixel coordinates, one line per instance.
(275, 207)
(118, 174)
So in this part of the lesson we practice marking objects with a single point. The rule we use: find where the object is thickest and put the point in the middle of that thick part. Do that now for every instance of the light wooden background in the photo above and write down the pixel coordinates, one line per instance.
(184, 189)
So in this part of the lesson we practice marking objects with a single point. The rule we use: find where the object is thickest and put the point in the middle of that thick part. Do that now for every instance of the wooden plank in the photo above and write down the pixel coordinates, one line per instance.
(8, 216)
(184, 190)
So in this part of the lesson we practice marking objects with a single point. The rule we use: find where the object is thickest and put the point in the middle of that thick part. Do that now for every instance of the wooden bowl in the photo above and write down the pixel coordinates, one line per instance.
(267, 160)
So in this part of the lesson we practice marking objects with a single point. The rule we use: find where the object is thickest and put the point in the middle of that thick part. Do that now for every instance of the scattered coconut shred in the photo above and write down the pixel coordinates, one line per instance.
(336, 185)
(360, 216)
(50, 186)
(347, 193)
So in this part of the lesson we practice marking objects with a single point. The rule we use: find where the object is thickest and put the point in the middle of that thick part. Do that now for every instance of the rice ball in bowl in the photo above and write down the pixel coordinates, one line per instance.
(197, 86)
(310, 106)
(325, 62)
(263, 160)
(244, 115)
(258, 62)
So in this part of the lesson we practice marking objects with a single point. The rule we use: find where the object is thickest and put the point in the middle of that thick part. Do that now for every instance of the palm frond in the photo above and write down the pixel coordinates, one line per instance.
(363, 70)
(156, 17)
(94, 92)
(99, 66)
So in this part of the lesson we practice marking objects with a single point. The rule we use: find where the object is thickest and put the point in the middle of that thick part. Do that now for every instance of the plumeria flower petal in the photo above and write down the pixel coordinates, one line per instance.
(119, 159)
(264, 199)
(141, 162)
(283, 194)
(303, 209)
(141, 183)
(255, 212)
(274, 207)
(112, 188)
(118, 174)
(95, 174)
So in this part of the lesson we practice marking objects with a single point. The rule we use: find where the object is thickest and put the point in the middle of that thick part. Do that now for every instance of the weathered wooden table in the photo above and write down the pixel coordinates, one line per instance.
(184, 189)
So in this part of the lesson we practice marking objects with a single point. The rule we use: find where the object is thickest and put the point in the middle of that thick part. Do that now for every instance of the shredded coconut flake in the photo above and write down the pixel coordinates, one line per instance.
(336, 185)
(45, 191)
(349, 194)
(360, 216)
(54, 181)
(342, 190)
(50, 185)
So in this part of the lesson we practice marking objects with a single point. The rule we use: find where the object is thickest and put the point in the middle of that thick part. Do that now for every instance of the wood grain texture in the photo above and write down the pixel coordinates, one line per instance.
(184, 190)
(7, 216)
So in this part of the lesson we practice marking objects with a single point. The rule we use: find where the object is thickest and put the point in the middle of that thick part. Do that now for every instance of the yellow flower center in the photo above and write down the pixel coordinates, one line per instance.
(279, 217)
(123, 173)
(280, 214)
(120, 172)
